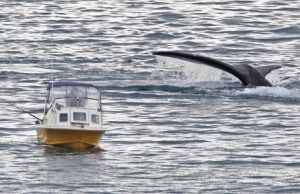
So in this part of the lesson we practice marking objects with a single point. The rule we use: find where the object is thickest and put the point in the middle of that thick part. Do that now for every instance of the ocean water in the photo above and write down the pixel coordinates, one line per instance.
(168, 131)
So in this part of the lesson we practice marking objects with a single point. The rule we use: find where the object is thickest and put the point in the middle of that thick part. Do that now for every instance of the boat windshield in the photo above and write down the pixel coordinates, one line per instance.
(75, 96)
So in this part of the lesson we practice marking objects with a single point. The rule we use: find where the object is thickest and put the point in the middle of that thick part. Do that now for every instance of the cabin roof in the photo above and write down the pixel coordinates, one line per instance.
(69, 83)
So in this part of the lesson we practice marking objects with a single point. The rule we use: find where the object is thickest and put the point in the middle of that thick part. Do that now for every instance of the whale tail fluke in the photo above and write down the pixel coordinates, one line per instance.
(265, 70)
(248, 75)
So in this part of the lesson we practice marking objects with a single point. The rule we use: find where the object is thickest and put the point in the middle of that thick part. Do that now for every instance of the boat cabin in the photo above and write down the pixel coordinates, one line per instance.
(72, 103)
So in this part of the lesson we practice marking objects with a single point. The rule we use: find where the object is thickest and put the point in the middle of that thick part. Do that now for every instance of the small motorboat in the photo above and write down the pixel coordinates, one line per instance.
(72, 116)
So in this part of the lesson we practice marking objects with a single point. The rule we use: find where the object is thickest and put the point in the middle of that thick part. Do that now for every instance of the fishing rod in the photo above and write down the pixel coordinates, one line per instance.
(22, 110)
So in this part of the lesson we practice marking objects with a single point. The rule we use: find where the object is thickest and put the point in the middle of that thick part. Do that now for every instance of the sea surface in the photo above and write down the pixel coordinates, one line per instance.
(167, 130)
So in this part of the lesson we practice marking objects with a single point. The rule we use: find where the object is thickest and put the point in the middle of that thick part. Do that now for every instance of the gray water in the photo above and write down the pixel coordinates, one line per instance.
(164, 134)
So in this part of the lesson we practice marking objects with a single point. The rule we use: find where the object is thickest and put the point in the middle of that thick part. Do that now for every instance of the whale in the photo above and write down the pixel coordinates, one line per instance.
(249, 76)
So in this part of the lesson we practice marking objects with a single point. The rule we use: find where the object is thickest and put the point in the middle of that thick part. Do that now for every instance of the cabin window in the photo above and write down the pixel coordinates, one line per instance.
(79, 116)
(63, 117)
(95, 119)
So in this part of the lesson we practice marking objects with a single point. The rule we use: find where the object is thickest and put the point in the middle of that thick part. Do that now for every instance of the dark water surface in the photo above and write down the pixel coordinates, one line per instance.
(164, 135)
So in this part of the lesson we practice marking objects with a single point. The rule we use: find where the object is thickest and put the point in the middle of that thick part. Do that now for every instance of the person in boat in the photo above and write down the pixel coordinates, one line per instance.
(75, 98)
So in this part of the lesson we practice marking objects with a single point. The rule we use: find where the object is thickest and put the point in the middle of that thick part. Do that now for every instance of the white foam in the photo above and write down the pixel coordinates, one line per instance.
(276, 92)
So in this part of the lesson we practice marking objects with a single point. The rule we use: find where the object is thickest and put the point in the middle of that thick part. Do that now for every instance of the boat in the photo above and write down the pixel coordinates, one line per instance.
(72, 116)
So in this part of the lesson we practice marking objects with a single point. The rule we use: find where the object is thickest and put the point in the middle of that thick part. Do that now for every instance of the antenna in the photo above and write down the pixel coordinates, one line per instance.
(52, 73)
(52, 61)
(52, 79)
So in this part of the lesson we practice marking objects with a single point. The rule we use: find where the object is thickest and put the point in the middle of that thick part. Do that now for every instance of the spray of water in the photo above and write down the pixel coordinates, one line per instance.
(185, 70)
(182, 70)
(274, 77)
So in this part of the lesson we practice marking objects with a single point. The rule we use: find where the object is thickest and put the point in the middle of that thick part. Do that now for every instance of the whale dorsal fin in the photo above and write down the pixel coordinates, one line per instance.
(248, 75)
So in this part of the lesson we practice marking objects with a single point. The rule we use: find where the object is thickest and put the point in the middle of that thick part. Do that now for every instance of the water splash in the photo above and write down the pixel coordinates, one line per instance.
(188, 71)
(274, 77)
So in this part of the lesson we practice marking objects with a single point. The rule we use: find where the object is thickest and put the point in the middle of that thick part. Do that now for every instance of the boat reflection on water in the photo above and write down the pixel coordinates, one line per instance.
(62, 150)
(72, 116)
